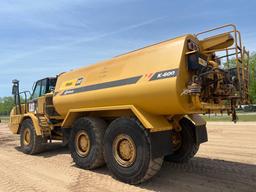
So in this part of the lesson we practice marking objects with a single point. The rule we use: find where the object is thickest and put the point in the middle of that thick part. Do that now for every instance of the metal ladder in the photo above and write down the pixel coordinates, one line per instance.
(45, 126)
(242, 65)
(246, 60)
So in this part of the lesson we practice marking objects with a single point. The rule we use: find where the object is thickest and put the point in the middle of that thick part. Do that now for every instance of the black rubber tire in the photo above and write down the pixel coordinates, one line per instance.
(188, 148)
(144, 166)
(36, 142)
(95, 128)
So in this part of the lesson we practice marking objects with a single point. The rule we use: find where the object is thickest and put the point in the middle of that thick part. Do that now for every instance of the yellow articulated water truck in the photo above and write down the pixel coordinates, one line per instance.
(139, 108)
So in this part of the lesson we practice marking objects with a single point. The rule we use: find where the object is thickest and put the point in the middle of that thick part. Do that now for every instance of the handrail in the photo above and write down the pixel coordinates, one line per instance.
(239, 53)
(216, 28)
(26, 98)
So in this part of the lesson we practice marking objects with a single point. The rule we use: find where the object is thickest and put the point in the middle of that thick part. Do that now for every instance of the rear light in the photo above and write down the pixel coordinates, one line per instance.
(192, 46)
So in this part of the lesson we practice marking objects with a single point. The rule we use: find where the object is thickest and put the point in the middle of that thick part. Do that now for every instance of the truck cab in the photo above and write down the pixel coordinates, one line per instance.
(36, 109)
(43, 87)
(40, 89)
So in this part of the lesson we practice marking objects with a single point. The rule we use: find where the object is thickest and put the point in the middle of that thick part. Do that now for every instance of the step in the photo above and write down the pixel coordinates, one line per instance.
(45, 128)
(56, 117)
(49, 105)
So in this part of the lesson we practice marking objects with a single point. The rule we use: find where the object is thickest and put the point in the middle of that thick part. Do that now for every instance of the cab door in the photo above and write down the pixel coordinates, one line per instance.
(36, 103)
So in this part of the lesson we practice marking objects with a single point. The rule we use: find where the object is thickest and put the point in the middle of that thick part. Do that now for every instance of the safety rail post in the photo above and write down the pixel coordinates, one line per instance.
(239, 60)
(247, 72)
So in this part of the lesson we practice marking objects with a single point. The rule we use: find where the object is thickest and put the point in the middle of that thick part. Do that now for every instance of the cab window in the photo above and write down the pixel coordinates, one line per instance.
(52, 83)
(37, 89)
(43, 87)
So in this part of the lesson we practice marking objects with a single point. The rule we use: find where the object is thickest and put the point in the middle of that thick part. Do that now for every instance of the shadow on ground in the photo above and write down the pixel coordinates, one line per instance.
(204, 174)
(199, 174)
(50, 150)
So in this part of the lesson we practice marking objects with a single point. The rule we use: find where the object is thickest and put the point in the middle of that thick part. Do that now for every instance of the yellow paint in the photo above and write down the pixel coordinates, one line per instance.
(217, 42)
(68, 84)
(150, 121)
(159, 97)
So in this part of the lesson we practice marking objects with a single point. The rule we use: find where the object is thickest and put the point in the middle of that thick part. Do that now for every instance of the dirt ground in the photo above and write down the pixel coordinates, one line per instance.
(226, 163)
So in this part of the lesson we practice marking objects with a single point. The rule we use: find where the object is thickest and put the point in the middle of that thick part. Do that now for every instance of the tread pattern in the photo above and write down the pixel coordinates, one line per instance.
(37, 145)
(99, 126)
(155, 164)
(153, 168)
(195, 147)
(185, 155)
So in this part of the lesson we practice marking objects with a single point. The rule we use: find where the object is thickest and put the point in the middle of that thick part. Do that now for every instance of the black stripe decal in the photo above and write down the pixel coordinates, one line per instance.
(110, 84)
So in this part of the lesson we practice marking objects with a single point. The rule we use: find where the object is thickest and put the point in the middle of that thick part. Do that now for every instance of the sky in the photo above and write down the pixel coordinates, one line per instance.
(46, 37)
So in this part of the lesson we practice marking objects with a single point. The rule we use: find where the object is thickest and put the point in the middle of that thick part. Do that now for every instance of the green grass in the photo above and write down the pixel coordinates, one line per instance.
(241, 117)
(4, 119)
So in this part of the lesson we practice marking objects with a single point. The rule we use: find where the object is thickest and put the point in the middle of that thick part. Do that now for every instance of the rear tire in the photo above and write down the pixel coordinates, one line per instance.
(128, 169)
(30, 143)
(188, 148)
(86, 142)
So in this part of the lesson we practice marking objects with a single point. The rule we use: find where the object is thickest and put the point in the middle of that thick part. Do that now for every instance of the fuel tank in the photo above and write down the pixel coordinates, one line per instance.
(151, 78)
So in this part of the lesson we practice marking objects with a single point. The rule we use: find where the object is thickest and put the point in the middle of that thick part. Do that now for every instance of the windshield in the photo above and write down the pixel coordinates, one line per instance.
(43, 87)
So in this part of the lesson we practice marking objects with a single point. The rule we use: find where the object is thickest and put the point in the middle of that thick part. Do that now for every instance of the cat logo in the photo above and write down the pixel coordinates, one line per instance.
(79, 81)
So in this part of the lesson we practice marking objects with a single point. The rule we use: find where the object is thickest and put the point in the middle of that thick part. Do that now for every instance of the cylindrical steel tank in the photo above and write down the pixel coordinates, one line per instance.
(151, 78)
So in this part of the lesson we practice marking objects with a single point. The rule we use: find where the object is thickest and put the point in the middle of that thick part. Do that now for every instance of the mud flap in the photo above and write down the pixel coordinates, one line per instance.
(161, 144)
(66, 135)
(199, 128)
(201, 134)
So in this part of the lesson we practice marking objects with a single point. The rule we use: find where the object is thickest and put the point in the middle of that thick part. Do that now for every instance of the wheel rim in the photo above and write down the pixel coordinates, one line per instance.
(124, 150)
(176, 140)
(27, 137)
(82, 143)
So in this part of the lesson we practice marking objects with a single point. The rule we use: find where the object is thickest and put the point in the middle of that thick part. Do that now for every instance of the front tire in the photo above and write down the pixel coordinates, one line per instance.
(127, 151)
(86, 142)
(188, 147)
(30, 143)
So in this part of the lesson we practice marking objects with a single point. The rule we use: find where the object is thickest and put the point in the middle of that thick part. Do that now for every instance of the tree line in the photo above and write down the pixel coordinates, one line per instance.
(252, 71)
(6, 104)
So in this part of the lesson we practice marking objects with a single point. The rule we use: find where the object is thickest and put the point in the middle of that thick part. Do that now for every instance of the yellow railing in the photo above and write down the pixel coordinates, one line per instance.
(242, 65)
